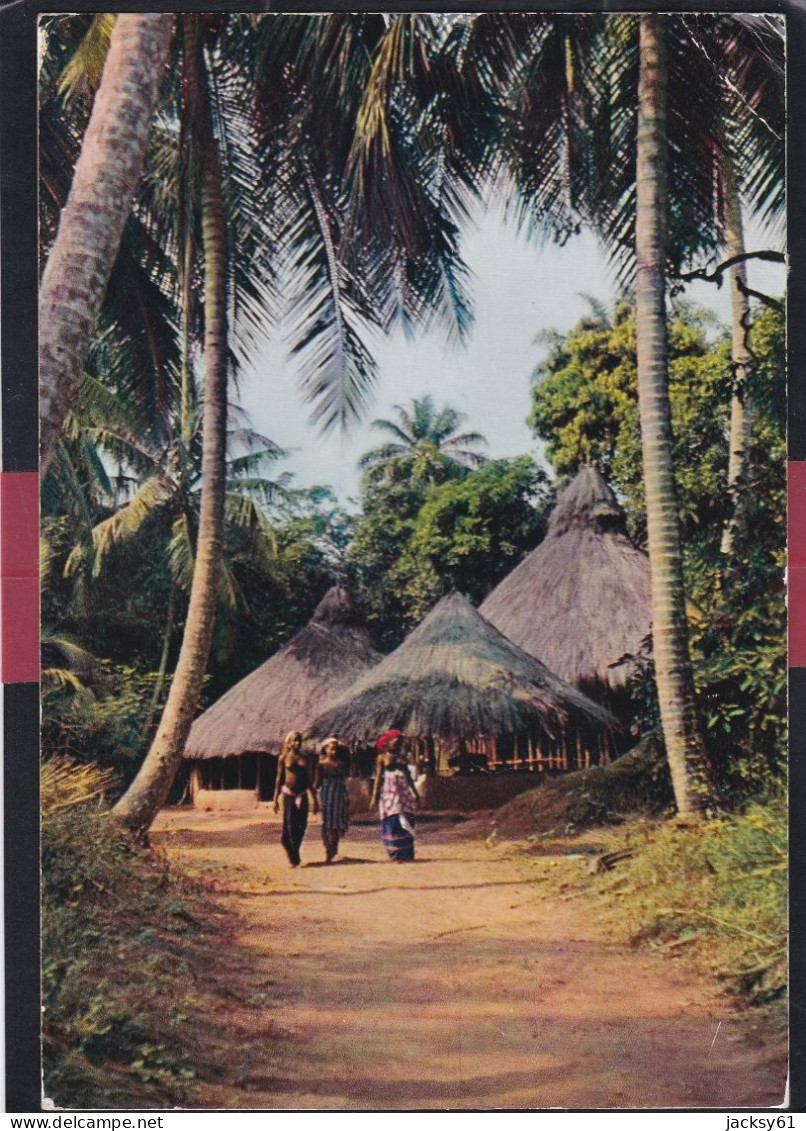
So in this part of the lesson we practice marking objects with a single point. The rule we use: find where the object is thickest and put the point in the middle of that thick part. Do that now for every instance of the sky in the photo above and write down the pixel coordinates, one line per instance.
(519, 288)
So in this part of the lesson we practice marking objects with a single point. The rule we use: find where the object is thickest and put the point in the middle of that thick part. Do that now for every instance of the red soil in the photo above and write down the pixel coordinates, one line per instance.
(453, 982)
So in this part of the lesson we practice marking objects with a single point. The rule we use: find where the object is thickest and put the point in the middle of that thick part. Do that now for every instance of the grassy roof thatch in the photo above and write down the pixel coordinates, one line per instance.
(580, 602)
(454, 677)
(291, 688)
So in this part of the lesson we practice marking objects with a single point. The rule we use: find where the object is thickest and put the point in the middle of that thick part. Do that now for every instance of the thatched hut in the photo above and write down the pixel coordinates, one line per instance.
(580, 602)
(458, 687)
(233, 745)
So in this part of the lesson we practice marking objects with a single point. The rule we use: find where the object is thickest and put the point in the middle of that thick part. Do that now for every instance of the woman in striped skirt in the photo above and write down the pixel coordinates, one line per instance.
(396, 796)
(331, 778)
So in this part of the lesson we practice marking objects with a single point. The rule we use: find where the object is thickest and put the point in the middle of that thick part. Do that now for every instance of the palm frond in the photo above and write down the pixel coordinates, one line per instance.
(65, 680)
(81, 77)
(126, 524)
(98, 406)
(242, 466)
(383, 455)
(181, 556)
(72, 656)
(250, 440)
(752, 69)
(336, 369)
(229, 592)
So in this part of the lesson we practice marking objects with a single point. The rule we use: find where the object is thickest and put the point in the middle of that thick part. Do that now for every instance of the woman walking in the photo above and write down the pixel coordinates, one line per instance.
(331, 778)
(293, 784)
(396, 796)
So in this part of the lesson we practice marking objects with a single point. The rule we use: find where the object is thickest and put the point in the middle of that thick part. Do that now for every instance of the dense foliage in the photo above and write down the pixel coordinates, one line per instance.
(415, 542)
(584, 406)
(585, 409)
(359, 227)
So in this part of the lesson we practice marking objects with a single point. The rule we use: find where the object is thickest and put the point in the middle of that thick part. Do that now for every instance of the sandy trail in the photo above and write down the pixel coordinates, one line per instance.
(448, 983)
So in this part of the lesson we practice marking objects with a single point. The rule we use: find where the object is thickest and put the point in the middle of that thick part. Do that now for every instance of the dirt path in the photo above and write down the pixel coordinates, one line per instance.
(448, 983)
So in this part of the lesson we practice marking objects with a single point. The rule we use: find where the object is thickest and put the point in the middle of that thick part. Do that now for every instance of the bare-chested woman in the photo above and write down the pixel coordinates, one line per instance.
(294, 783)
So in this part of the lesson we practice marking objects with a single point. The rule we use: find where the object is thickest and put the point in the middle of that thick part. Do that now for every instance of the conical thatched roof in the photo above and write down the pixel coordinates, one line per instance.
(580, 602)
(291, 688)
(455, 676)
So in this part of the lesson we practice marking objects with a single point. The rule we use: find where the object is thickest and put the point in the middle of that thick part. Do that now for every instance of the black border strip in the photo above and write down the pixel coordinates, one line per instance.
(20, 453)
(21, 896)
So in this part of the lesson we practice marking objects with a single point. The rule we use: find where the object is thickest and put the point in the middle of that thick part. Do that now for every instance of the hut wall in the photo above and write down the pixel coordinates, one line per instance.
(225, 799)
(464, 793)
(251, 774)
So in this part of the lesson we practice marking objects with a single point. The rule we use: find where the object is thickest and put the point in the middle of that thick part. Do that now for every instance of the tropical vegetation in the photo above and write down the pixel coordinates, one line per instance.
(213, 181)
(359, 229)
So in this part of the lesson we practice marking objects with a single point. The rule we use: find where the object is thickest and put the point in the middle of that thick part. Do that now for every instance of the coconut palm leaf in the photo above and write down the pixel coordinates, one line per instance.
(245, 466)
(372, 237)
(98, 406)
(81, 76)
(72, 656)
(754, 88)
(181, 555)
(336, 369)
(252, 440)
(717, 76)
(385, 454)
(65, 680)
(125, 525)
(229, 592)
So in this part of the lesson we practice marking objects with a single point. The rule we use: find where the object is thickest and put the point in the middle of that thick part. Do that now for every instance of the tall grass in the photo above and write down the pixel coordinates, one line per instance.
(119, 930)
(720, 885)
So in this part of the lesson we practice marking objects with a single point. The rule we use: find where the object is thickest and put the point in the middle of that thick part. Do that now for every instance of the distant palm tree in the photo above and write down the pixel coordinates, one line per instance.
(425, 448)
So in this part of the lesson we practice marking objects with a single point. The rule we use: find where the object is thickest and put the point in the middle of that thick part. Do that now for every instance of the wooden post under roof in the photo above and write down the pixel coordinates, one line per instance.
(195, 782)
(431, 763)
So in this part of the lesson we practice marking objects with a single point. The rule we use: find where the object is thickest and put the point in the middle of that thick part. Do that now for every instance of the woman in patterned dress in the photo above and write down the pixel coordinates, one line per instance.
(396, 796)
(331, 779)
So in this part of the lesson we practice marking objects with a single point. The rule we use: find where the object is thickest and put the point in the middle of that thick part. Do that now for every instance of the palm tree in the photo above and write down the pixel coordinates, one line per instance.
(367, 242)
(673, 672)
(425, 448)
(106, 178)
(337, 363)
(740, 410)
(147, 793)
(576, 137)
(751, 54)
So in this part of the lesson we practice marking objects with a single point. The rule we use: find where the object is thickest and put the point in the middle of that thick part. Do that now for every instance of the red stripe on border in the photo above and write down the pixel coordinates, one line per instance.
(19, 573)
(796, 507)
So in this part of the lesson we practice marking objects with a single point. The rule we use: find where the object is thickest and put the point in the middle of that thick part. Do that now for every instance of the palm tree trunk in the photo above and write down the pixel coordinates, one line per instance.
(740, 415)
(147, 793)
(106, 177)
(669, 628)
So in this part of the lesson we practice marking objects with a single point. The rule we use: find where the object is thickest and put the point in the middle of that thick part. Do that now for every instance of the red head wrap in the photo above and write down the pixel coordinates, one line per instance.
(387, 738)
